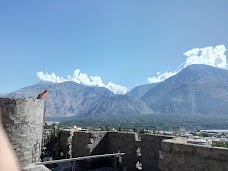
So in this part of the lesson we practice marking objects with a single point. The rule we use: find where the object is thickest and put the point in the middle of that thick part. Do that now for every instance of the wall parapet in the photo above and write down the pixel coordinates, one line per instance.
(127, 143)
(144, 151)
(151, 145)
(180, 156)
(154, 152)
(89, 143)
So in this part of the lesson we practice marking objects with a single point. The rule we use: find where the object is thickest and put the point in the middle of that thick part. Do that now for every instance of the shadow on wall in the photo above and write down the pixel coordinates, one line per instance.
(139, 154)
(89, 143)
(99, 142)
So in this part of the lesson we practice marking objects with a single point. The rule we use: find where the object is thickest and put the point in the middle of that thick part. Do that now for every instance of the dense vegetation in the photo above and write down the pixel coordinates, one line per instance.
(148, 121)
(220, 144)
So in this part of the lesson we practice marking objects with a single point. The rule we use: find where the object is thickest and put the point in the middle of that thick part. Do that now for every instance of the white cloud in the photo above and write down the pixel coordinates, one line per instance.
(82, 78)
(208, 55)
(117, 89)
(161, 77)
(50, 77)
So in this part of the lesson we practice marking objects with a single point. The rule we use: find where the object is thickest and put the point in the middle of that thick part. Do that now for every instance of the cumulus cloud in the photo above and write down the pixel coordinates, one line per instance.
(117, 89)
(210, 56)
(214, 56)
(82, 78)
(79, 77)
(50, 77)
(161, 76)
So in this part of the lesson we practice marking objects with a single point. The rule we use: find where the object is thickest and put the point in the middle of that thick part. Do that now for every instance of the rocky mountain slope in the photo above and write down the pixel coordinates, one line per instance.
(140, 90)
(120, 104)
(197, 88)
(72, 99)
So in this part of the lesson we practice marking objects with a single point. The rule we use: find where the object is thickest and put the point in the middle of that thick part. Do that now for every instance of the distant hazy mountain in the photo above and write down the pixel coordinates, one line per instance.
(72, 99)
(140, 90)
(120, 104)
(197, 88)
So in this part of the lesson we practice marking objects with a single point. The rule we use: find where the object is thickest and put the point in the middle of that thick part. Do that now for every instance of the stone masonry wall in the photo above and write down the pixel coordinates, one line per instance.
(157, 152)
(99, 142)
(23, 123)
(151, 144)
(184, 157)
(127, 143)
(89, 143)
(64, 141)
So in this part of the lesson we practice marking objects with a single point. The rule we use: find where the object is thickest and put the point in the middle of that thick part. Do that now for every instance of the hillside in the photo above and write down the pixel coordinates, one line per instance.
(140, 90)
(72, 99)
(120, 104)
(195, 89)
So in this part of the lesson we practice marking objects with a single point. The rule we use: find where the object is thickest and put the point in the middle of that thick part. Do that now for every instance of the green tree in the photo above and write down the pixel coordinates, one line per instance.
(119, 129)
(220, 144)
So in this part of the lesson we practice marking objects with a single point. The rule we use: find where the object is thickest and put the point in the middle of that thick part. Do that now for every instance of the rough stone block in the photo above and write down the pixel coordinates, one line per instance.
(19, 116)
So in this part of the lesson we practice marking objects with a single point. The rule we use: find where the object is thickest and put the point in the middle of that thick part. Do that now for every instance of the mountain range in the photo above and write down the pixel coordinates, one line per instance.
(73, 99)
(140, 90)
(195, 89)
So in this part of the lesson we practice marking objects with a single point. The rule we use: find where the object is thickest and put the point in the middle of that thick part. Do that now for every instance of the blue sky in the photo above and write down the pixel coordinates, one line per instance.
(124, 42)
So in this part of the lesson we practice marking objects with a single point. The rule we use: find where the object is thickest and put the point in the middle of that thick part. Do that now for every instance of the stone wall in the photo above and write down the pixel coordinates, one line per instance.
(100, 142)
(89, 143)
(163, 153)
(184, 157)
(136, 151)
(127, 143)
(64, 141)
(151, 144)
(23, 123)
